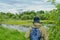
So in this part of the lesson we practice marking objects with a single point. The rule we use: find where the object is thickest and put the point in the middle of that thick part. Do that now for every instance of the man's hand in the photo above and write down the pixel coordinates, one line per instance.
(27, 35)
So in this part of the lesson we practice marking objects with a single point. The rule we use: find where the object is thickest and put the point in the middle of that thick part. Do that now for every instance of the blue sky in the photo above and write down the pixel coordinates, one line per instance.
(15, 6)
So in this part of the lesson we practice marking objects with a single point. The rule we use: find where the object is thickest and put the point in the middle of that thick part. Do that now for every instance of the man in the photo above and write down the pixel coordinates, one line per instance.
(37, 32)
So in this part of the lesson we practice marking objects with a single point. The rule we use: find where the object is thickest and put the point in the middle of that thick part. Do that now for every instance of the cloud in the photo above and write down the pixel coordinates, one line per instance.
(37, 2)
(41, 3)
(42, 7)
(16, 6)
(57, 1)
(4, 4)
(7, 8)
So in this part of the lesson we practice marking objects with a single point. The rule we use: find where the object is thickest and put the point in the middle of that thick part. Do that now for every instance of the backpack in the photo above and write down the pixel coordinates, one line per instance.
(35, 34)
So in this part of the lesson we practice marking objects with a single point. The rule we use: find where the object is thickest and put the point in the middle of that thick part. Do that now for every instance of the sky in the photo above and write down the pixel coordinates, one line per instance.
(15, 6)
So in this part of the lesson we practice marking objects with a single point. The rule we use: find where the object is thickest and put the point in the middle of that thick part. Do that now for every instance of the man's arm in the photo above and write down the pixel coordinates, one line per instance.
(45, 33)
(27, 35)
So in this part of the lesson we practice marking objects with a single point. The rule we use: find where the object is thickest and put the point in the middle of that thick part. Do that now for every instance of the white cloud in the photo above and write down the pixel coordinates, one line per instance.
(18, 7)
(57, 1)
(4, 5)
(12, 10)
(7, 8)
(37, 2)
(40, 7)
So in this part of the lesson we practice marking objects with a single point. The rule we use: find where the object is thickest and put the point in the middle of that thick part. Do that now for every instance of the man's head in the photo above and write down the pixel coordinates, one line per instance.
(36, 22)
(36, 19)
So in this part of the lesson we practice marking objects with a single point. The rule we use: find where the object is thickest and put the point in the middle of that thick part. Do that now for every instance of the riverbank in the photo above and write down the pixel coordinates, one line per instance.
(25, 22)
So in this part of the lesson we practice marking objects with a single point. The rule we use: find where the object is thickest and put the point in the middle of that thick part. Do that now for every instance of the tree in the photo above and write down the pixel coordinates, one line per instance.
(54, 31)
(41, 12)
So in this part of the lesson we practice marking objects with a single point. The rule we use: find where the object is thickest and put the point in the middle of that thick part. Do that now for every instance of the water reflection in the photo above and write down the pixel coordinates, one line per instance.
(16, 27)
(22, 27)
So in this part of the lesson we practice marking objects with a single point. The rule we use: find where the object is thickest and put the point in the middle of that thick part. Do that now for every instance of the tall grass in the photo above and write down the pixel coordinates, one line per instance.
(6, 34)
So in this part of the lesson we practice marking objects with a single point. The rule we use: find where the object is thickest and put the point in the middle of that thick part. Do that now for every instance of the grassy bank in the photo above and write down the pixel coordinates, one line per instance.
(6, 34)
(24, 22)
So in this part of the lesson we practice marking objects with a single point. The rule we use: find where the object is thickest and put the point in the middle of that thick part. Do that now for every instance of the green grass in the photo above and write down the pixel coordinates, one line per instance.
(54, 33)
(24, 22)
(6, 34)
